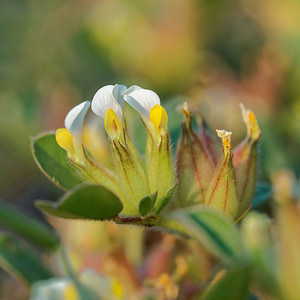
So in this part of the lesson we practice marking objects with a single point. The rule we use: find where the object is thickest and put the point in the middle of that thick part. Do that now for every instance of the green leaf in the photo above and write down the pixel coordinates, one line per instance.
(147, 203)
(21, 260)
(213, 229)
(29, 228)
(52, 160)
(263, 192)
(234, 285)
(164, 201)
(90, 202)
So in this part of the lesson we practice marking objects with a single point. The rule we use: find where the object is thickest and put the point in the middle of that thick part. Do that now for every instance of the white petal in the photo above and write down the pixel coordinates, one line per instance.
(117, 92)
(141, 100)
(132, 89)
(74, 118)
(107, 97)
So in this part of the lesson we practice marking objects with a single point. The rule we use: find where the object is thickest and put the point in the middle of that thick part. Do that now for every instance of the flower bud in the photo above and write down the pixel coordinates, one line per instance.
(205, 136)
(70, 139)
(195, 166)
(222, 192)
(245, 162)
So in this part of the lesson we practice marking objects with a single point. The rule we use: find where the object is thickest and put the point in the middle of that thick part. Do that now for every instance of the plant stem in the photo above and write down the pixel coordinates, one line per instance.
(70, 272)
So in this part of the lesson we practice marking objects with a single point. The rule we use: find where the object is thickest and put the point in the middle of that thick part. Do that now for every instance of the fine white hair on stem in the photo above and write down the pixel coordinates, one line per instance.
(141, 100)
(109, 96)
(74, 118)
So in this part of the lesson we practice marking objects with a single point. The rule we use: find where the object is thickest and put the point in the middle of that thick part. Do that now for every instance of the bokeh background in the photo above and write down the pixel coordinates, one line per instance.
(55, 54)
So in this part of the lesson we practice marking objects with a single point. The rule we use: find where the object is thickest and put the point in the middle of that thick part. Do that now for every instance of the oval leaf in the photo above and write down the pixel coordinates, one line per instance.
(213, 229)
(147, 203)
(90, 202)
(21, 260)
(52, 160)
(29, 228)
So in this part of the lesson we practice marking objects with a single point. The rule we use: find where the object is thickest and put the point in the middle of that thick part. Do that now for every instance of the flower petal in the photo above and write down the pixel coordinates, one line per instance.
(117, 92)
(132, 89)
(107, 97)
(141, 100)
(74, 118)
(159, 117)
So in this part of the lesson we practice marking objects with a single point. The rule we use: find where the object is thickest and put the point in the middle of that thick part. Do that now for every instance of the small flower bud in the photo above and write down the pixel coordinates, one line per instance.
(222, 192)
(194, 165)
(245, 161)
(207, 139)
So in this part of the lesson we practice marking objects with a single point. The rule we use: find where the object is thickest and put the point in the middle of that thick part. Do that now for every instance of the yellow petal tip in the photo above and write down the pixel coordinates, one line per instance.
(112, 124)
(64, 139)
(159, 117)
(249, 118)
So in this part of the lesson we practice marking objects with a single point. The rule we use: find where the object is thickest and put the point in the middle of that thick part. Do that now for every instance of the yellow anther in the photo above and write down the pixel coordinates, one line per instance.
(226, 140)
(253, 130)
(112, 124)
(159, 117)
(70, 293)
(64, 139)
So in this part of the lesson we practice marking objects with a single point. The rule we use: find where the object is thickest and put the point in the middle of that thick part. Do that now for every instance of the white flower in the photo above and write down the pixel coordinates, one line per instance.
(141, 100)
(147, 104)
(74, 119)
(69, 138)
(109, 96)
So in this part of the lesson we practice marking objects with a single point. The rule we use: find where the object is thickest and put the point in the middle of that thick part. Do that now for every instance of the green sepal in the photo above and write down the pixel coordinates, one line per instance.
(213, 229)
(166, 199)
(195, 167)
(131, 176)
(21, 260)
(147, 203)
(52, 160)
(245, 163)
(159, 166)
(35, 231)
(222, 192)
(233, 285)
(89, 202)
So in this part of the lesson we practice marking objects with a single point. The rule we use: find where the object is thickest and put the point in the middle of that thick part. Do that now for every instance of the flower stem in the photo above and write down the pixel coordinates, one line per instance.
(70, 272)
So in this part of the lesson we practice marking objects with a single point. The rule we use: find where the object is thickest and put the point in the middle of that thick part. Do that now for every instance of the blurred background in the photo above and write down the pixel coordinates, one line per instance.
(55, 54)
